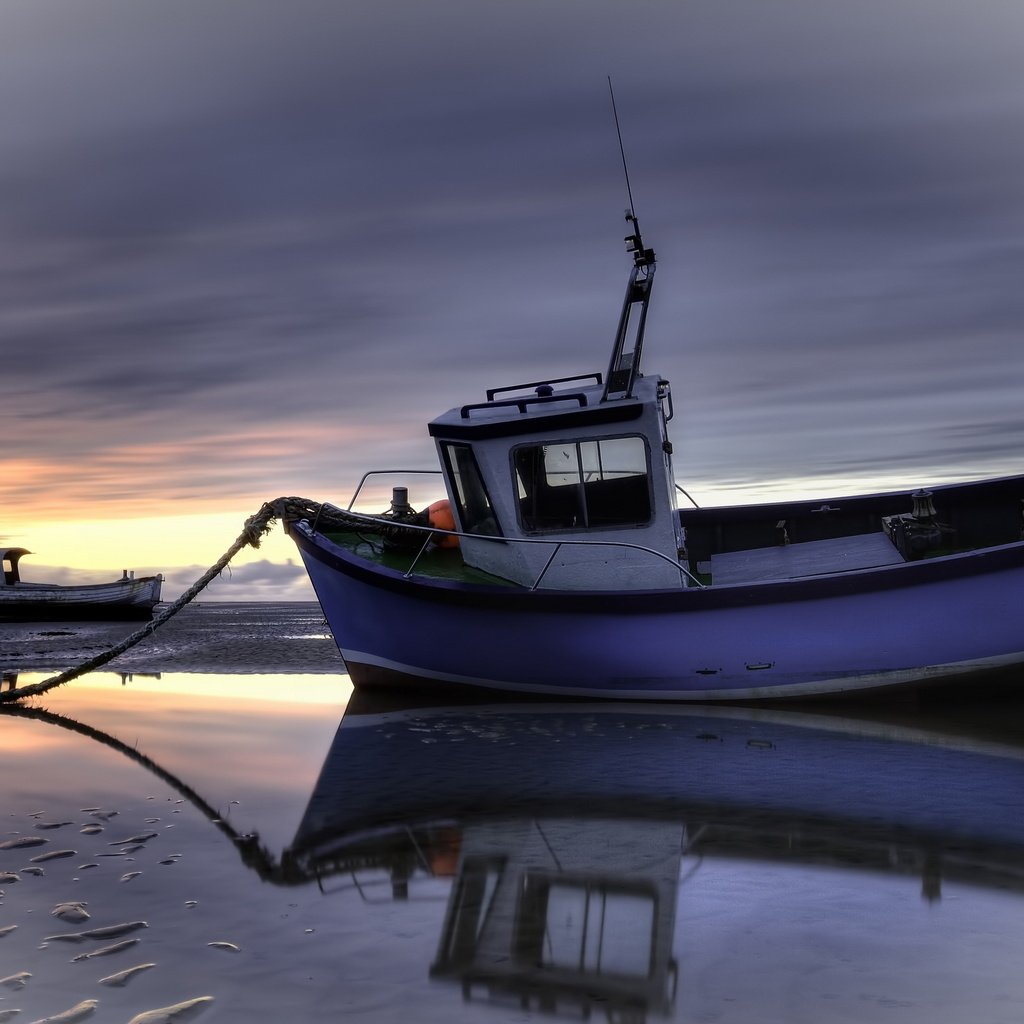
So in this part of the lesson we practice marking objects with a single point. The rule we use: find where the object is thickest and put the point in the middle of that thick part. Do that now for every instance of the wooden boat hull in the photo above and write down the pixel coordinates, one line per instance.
(953, 619)
(132, 599)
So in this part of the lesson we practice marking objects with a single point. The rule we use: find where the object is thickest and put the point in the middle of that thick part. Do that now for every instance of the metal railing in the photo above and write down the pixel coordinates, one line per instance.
(386, 472)
(556, 544)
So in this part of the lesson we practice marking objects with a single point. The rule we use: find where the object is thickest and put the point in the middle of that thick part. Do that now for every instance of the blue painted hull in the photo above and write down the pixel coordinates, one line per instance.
(946, 620)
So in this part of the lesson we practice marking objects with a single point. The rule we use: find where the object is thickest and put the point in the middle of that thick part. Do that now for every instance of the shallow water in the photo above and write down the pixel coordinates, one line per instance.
(504, 862)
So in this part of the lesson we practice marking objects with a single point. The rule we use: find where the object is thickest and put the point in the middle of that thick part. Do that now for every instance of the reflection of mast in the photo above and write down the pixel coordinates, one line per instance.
(563, 914)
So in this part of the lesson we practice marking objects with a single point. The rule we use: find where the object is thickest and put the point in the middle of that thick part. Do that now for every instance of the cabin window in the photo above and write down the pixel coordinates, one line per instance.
(569, 485)
(587, 926)
(471, 906)
(476, 514)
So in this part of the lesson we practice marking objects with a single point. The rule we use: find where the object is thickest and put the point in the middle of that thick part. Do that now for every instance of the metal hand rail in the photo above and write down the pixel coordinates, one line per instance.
(382, 472)
(558, 543)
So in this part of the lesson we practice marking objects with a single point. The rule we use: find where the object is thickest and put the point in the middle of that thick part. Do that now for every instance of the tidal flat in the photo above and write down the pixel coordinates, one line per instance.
(204, 834)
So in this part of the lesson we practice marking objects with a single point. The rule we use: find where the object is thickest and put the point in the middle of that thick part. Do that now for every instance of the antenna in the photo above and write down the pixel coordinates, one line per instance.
(634, 243)
(622, 150)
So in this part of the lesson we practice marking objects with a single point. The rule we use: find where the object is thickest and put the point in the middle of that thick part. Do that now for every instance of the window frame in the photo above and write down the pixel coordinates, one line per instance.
(584, 502)
(456, 477)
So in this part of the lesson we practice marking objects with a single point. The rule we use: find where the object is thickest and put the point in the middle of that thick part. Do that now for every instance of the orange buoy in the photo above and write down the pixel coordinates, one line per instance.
(439, 515)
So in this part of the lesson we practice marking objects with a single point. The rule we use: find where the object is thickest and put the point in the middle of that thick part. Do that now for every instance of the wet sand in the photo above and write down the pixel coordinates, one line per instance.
(211, 637)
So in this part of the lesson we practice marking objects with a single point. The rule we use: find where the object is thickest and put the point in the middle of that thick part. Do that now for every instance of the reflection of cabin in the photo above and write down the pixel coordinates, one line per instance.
(566, 914)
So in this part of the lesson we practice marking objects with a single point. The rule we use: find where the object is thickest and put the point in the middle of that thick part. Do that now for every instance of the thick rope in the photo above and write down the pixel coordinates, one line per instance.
(252, 533)
(326, 517)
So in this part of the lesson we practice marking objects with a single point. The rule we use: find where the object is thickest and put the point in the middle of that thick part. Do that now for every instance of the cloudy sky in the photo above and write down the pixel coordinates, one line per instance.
(249, 248)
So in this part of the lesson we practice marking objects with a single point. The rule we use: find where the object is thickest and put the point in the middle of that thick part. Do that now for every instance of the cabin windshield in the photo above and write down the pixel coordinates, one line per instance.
(476, 512)
(568, 485)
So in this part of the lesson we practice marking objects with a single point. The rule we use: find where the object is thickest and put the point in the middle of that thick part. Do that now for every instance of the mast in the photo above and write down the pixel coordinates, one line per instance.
(624, 366)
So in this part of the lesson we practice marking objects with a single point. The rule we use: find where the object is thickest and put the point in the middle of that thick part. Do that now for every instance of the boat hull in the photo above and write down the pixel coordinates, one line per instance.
(898, 628)
(132, 599)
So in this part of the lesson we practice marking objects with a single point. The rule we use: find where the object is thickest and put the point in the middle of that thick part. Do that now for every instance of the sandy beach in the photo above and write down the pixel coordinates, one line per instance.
(210, 637)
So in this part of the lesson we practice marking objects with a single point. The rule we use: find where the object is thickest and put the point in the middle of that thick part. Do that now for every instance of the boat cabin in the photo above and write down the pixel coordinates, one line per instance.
(580, 466)
(560, 462)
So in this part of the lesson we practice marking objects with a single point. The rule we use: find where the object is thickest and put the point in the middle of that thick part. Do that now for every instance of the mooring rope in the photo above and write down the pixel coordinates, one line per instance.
(252, 534)
(322, 515)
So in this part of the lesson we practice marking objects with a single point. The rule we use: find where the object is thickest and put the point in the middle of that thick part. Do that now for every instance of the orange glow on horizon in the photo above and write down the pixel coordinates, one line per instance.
(294, 693)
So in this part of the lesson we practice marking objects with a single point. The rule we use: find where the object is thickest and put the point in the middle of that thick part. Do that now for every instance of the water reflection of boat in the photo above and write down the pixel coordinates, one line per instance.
(567, 841)
(9, 677)
(569, 830)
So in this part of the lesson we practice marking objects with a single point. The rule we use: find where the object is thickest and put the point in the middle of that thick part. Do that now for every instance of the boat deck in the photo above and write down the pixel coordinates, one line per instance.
(754, 565)
(810, 558)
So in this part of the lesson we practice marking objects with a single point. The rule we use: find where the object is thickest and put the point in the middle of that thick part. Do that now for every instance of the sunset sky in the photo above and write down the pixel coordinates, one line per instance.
(249, 248)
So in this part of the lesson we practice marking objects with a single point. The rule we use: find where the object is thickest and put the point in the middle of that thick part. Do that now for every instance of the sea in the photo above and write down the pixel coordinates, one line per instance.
(216, 827)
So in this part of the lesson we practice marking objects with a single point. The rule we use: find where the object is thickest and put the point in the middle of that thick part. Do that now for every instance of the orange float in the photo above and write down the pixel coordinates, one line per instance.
(439, 516)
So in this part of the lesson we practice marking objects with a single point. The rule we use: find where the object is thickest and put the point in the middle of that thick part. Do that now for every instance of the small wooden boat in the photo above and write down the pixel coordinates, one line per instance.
(576, 573)
(126, 598)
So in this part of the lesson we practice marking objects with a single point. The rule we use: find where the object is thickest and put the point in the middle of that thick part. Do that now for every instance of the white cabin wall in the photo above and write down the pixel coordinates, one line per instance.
(597, 565)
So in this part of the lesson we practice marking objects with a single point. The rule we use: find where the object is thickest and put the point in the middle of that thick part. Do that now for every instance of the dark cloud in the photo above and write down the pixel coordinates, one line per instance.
(232, 222)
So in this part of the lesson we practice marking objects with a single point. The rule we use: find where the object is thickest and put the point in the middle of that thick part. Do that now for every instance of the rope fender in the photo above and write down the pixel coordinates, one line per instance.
(253, 532)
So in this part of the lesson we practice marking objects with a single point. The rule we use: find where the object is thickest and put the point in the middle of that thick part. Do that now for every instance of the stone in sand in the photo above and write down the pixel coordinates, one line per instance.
(230, 947)
(7, 931)
(73, 912)
(22, 841)
(113, 931)
(86, 1008)
(122, 978)
(117, 947)
(16, 982)
(173, 1014)
(39, 858)
(142, 837)
(6, 1015)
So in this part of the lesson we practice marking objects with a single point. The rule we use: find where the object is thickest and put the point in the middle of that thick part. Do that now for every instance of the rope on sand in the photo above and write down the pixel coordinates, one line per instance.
(252, 534)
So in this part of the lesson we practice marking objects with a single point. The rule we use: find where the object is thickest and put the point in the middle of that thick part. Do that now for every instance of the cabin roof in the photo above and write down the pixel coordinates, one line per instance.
(531, 408)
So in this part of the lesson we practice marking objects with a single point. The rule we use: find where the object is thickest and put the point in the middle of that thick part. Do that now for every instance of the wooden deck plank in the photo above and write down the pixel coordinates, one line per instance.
(811, 558)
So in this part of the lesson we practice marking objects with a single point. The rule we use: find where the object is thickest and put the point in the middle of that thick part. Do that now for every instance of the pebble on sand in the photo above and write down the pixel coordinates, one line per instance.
(173, 1014)
(80, 1011)
(22, 841)
(72, 912)
(229, 947)
(117, 947)
(122, 978)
